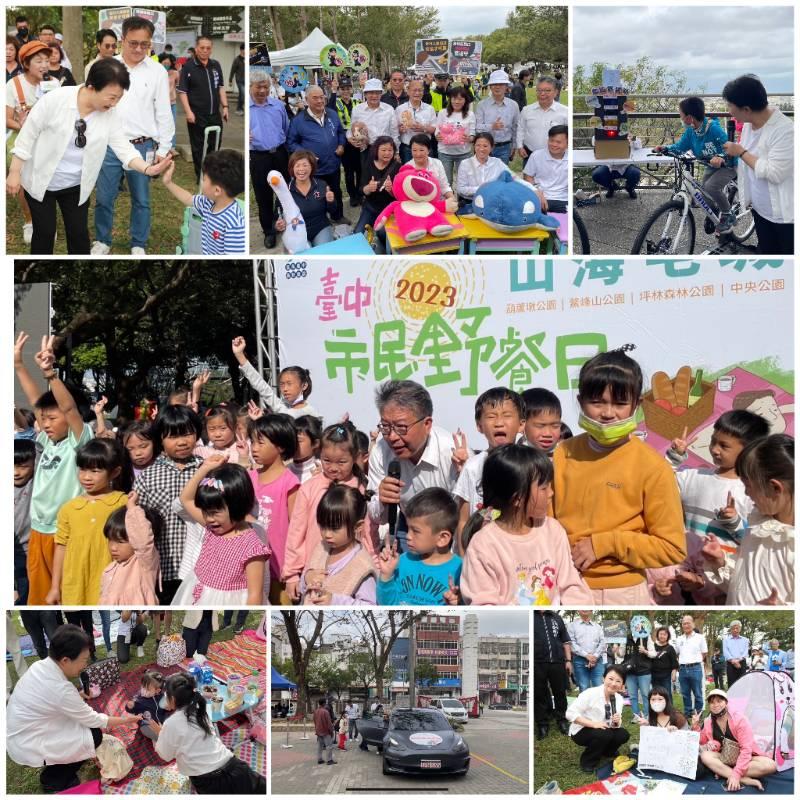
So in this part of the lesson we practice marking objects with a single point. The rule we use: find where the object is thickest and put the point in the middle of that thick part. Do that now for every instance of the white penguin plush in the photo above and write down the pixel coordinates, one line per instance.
(295, 239)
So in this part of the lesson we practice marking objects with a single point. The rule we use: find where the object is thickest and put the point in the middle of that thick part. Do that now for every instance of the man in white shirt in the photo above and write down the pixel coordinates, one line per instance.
(414, 117)
(536, 120)
(377, 116)
(425, 453)
(548, 170)
(692, 649)
(106, 46)
(147, 118)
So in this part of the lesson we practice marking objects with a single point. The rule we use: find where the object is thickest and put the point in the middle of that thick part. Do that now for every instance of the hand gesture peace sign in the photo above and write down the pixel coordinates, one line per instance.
(681, 444)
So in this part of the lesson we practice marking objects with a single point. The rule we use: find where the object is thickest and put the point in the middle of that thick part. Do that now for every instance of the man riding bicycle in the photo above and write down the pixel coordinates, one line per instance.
(705, 138)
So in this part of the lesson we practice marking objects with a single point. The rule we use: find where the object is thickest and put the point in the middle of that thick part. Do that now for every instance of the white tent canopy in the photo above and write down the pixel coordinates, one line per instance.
(304, 54)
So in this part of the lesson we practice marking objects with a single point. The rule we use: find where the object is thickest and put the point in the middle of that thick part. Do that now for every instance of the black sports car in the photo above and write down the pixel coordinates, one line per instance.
(416, 740)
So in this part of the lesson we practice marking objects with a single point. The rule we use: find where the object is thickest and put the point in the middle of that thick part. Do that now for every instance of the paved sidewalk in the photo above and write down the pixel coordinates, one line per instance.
(499, 746)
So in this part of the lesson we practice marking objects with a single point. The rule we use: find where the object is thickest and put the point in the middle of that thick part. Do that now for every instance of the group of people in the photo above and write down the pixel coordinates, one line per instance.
(246, 502)
(69, 141)
(643, 674)
(760, 159)
(49, 724)
(369, 131)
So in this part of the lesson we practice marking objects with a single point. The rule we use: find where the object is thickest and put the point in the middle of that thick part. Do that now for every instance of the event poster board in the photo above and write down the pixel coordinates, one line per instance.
(461, 326)
(615, 631)
(465, 57)
(431, 55)
(114, 17)
(674, 752)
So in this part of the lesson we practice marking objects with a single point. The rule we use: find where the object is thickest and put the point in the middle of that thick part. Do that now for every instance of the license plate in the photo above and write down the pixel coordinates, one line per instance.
(430, 764)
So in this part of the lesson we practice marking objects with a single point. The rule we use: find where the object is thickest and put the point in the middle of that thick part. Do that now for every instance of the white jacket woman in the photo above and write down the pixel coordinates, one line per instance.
(60, 150)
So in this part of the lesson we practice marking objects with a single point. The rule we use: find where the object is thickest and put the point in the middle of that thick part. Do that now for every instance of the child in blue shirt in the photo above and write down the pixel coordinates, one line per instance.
(705, 138)
(222, 228)
(429, 573)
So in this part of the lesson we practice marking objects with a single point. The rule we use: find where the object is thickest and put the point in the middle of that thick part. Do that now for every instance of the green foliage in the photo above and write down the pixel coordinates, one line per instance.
(89, 356)
(285, 668)
(151, 318)
(425, 672)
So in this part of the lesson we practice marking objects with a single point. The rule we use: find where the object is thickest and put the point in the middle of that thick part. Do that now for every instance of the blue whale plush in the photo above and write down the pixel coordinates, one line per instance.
(510, 205)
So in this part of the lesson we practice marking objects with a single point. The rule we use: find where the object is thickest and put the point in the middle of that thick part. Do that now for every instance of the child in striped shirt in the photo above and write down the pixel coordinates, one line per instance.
(222, 229)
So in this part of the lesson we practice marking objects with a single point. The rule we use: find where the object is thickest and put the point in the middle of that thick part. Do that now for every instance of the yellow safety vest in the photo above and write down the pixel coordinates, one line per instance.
(344, 114)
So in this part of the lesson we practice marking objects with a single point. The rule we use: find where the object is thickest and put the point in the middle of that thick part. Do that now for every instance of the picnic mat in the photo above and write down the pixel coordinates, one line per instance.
(661, 783)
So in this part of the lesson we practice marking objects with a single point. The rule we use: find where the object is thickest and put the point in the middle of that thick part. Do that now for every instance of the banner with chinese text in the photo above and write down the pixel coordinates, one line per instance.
(461, 326)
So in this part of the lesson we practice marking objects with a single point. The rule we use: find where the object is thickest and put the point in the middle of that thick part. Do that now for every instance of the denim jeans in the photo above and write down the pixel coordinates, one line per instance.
(690, 677)
(367, 217)
(107, 191)
(449, 162)
(405, 153)
(586, 676)
(502, 151)
(105, 621)
(603, 176)
(175, 121)
(636, 684)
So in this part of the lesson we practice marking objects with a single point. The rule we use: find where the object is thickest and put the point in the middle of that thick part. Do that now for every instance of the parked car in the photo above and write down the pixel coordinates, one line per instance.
(451, 708)
(418, 741)
(501, 707)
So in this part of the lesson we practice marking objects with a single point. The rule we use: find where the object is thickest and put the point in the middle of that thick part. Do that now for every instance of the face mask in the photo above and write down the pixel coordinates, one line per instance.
(719, 713)
(607, 433)
(658, 705)
(23, 31)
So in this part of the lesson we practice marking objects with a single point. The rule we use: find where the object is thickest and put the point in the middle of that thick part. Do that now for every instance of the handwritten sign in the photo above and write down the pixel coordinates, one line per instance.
(675, 752)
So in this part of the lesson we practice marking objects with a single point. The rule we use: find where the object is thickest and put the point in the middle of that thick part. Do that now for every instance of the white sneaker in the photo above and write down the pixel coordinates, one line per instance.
(27, 232)
(199, 658)
(100, 249)
(138, 251)
(140, 651)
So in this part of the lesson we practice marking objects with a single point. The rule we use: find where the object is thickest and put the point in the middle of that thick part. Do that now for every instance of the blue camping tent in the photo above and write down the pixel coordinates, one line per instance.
(279, 682)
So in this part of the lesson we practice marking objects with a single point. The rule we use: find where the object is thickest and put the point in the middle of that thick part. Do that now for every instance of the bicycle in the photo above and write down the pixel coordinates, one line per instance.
(670, 229)
(583, 247)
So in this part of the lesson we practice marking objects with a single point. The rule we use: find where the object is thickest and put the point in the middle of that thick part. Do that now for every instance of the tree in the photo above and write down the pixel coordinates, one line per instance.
(331, 677)
(153, 319)
(426, 673)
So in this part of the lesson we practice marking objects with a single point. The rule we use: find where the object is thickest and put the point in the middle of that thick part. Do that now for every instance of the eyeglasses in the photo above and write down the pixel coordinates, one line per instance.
(139, 45)
(400, 429)
(80, 129)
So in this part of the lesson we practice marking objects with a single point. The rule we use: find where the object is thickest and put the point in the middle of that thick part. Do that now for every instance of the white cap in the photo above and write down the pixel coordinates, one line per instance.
(60, 37)
(373, 85)
(499, 76)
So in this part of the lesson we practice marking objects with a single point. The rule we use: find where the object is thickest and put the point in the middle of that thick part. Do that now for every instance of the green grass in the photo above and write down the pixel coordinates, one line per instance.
(166, 219)
(25, 780)
(556, 757)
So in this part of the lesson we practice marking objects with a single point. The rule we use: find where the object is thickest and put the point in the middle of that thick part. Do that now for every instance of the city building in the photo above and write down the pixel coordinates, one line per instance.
(438, 638)
(503, 669)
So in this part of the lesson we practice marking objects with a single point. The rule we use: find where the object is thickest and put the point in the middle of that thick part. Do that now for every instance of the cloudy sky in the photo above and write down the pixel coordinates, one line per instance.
(502, 623)
(462, 20)
(710, 45)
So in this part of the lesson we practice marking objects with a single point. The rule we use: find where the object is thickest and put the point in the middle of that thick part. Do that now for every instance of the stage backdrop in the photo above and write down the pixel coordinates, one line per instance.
(461, 326)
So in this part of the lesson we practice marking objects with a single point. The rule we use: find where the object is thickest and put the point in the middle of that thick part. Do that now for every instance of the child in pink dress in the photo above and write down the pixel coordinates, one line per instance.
(273, 440)
(519, 555)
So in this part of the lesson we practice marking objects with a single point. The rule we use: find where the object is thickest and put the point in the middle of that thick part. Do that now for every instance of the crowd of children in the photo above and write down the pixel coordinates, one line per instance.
(245, 504)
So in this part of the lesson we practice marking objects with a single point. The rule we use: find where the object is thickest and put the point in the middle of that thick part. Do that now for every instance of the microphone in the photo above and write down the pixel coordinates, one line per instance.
(731, 127)
(393, 472)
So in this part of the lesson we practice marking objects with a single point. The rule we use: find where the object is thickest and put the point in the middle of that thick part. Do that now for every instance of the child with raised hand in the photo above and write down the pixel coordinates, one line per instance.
(149, 703)
(305, 463)
(499, 414)
(222, 225)
(189, 737)
(132, 575)
(762, 571)
(81, 553)
(294, 384)
(230, 568)
(714, 502)
(428, 573)
(616, 497)
(338, 454)
(520, 556)
(220, 434)
(340, 571)
(177, 429)
(273, 440)
(542, 419)
(55, 478)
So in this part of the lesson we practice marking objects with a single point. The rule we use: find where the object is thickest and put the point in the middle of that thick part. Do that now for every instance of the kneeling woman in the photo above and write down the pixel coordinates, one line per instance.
(731, 751)
(60, 150)
(189, 737)
(48, 723)
(596, 717)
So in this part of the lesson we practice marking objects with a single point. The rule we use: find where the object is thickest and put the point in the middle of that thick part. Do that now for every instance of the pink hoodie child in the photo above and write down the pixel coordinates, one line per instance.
(133, 581)
(535, 568)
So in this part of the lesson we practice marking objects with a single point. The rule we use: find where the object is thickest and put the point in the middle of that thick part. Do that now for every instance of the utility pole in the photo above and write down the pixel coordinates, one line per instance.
(412, 663)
